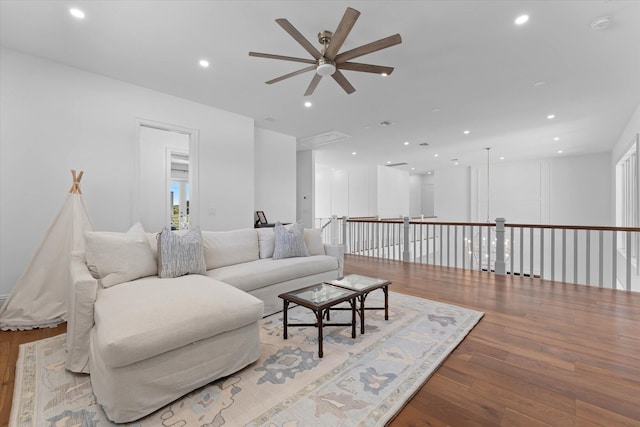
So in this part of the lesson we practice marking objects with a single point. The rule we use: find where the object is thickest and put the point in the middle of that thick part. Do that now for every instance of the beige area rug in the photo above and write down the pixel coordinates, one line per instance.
(359, 382)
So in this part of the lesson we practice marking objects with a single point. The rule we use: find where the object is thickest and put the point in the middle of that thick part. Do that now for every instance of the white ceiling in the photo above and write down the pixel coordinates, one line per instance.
(462, 65)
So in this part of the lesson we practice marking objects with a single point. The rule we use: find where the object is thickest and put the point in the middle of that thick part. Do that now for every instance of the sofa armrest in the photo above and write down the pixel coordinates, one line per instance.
(82, 295)
(338, 252)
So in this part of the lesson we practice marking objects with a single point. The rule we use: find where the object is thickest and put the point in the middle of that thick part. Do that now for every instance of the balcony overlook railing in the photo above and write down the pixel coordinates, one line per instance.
(606, 257)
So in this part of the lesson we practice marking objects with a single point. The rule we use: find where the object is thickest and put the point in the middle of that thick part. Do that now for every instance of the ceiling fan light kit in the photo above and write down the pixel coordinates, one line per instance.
(329, 62)
(325, 68)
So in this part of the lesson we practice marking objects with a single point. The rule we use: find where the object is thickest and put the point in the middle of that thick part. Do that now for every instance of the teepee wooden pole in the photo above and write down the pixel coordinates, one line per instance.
(75, 188)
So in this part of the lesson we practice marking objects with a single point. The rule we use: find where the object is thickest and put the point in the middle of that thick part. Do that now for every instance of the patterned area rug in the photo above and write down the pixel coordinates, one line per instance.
(363, 381)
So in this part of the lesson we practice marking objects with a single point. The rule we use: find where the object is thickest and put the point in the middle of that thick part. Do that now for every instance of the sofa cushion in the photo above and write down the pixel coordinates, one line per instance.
(289, 242)
(266, 241)
(180, 255)
(222, 248)
(141, 319)
(313, 241)
(114, 258)
(265, 272)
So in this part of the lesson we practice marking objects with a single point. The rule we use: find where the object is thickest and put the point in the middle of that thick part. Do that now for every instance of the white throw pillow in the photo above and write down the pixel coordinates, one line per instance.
(266, 242)
(180, 255)
(289, 242)
(313, 241)
(114, 258)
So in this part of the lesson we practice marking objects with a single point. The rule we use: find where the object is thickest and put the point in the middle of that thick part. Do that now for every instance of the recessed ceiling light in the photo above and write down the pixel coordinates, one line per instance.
(466, 132)
(388, 162)
(429, 173)
(456, 163)
(406, 143)
(551, 116)
(435, 110)
(353, 154)
(538, 84)
(413, 169)
(560, 151)
(308, 104)
(384, 74)
(522, 19)
(556, 139)
(204, 63)
(76, 13)
(435, 155)
(502, 158)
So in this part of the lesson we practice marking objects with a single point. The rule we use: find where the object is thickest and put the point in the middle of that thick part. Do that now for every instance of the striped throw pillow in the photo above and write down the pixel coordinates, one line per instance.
(180, 255)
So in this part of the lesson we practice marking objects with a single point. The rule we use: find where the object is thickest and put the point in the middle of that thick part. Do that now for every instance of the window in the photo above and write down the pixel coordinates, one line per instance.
(179, 190)
(628, 196)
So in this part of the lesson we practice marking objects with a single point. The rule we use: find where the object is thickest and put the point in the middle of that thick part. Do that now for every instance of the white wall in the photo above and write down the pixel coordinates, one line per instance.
(275, 175)
(393, 192)
(580, 190)
(340, 193)
(415, 195)
(306, 187)
(428, 195)
(452, 194)
(362, 192)
(516, 192)
(562, 191)
(54, 118)
(323, 191)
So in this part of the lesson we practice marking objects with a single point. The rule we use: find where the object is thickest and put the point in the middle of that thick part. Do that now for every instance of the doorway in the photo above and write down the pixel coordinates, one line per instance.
(166, 162)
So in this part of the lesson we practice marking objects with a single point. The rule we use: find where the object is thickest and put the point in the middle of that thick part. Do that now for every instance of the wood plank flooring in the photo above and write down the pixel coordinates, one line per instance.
(545, 353)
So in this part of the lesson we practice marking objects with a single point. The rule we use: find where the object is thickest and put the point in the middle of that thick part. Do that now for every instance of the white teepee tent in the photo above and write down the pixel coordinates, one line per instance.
(39, 299)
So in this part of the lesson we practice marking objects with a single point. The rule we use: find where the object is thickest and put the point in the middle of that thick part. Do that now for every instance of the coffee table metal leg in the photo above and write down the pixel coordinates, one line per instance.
(386, 302)
(285, 305)
(361, 298)
(353, 317)
(319, 316)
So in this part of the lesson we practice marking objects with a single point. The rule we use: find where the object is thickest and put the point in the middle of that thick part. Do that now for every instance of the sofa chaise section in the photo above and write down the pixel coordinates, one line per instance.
(156, 340)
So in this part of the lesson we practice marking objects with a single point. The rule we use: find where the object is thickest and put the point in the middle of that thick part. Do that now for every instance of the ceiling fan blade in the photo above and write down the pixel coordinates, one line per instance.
(306, 44)
(343, 82)
(284, 58)
(339, 36)
(366, 68)
(295, 73)
(312, 86)
(369, 48)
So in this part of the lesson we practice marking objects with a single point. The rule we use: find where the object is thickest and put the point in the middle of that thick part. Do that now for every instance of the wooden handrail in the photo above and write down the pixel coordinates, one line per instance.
(492, 224)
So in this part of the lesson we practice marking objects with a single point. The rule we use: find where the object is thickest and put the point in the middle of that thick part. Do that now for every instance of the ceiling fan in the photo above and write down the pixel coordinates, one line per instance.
(328, 62)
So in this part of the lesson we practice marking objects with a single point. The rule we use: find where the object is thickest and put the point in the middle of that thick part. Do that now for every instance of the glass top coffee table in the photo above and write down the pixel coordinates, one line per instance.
(362, 285)
(319, 299)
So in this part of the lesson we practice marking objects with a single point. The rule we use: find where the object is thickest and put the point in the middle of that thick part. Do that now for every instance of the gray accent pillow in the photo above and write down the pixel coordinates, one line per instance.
(289, 242)
(180, 255)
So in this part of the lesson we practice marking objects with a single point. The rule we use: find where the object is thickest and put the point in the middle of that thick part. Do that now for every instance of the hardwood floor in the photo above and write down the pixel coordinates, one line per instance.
(545, 353)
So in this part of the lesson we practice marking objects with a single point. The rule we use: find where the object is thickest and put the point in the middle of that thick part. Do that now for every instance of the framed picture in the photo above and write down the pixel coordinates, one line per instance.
(261, 218)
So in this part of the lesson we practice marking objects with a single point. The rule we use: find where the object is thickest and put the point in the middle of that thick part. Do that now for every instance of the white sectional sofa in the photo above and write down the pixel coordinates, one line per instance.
(149, 341)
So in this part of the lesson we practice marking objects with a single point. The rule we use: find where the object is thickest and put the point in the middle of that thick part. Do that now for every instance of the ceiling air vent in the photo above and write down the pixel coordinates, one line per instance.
(315, 141)
(397, 164)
